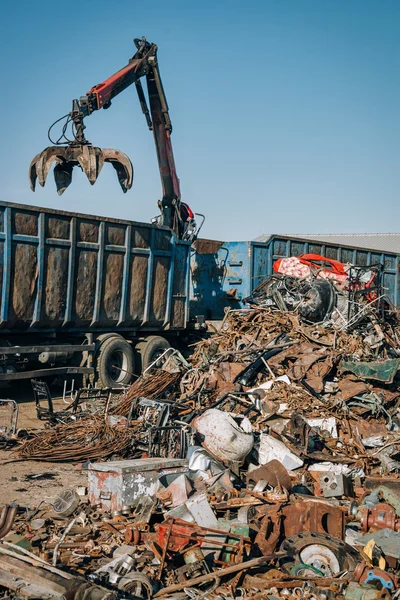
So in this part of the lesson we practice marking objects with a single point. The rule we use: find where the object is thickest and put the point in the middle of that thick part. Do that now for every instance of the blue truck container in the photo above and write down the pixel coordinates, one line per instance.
(224, 273)
(70, 282)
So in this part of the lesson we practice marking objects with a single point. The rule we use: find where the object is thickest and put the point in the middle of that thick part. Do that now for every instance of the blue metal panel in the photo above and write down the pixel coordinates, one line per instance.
(222, 277)
(125, 280)
(260, 266)
(284, 247)
(64, 271)
(149, 282)
(167, 318)
(6, 243)
(71, 272)
(238, 269)
(207, 269)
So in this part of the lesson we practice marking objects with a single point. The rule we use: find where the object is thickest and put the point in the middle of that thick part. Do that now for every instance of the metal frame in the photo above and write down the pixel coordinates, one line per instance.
(46, 372)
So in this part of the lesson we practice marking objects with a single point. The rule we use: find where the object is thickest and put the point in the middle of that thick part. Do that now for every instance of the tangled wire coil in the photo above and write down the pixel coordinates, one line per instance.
(89, 438)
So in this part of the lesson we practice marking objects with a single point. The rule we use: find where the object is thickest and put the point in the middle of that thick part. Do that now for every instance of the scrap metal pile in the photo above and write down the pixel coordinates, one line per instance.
(267, 467)
(321, 289)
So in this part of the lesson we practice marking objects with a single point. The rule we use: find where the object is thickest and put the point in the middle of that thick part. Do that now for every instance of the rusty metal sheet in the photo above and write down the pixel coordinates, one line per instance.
(270, 531)
(350, 386)
(160, 286)
(112, 293)
(203, 246)
(56, 282)
(313, 515)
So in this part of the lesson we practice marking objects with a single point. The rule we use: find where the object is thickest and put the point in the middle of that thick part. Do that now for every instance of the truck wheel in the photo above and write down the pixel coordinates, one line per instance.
(148, 350)
(115, 362)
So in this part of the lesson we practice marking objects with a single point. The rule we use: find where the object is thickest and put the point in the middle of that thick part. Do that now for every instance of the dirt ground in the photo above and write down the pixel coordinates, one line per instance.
(29, 482)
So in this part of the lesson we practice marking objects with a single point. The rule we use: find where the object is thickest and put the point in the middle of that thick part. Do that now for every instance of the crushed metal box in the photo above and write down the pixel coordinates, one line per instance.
(119, 483)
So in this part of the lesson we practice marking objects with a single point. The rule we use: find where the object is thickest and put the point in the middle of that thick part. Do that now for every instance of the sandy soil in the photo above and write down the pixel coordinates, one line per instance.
(29, 482)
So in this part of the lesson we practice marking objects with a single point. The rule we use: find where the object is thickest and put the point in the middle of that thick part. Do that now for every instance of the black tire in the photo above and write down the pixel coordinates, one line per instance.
(148, 350)
(115, 352)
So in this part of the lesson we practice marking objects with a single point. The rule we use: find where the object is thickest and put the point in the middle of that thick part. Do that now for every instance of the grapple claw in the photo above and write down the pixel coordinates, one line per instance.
(122, 165)
(89, 158)
(63, 176)
(32, 172)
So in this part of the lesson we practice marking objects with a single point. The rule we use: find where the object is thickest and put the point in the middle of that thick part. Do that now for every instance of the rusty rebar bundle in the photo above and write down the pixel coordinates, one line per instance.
(153, 385)
(90, 438)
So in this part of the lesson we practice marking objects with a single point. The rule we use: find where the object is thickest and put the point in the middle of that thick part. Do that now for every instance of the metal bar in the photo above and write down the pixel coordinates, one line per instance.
(58, 242)
(30, 239)
(270, 256)
(125, 275)
(250, 564)
(8, 515)
(55, 348)
(252, 269)
(149, 282)
(144, 251)
(89, 245)
(188, 282)
(115, 248)
(45, 373)
(41, 255)
(71, 272)
(165, 253)
(170, 283)
(99, 278)
(141, 251)
(5, 292)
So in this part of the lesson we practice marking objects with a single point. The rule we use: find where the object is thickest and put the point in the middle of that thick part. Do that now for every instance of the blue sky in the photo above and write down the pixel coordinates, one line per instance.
(285, 112)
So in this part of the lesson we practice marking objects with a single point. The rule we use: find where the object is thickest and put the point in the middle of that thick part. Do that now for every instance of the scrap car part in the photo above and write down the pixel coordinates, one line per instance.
(367, 574)
(93, 400)
(273, 472)
(310, 514)
(136, 584)
(169, 441)
(303, 570)
(153, 413)
(380, 516)
(391, 496)
(313, 299)
(364, 591)
(7, 432)
(66, 503)
(194, 566)
(324, 552)
(332, 485)
(270, 531)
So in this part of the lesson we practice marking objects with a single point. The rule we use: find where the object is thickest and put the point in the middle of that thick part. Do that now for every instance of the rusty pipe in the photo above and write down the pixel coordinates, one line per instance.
(7, 517)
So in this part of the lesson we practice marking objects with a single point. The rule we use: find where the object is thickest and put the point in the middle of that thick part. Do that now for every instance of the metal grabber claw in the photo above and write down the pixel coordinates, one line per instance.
(88, 157)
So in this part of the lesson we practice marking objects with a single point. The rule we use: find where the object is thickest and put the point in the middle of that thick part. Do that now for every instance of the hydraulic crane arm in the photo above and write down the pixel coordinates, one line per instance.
(79, 151)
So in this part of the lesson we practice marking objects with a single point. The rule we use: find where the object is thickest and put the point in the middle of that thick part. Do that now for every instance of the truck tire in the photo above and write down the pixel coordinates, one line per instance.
(114, 352)
(148, 350)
